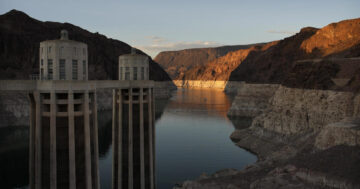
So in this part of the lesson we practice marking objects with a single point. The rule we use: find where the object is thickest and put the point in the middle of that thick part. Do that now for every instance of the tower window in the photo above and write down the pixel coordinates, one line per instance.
(135, 73)
(49, 49)
(142, 73)
(62, 69)
(50, 69)
(127, 73)
(74, 70)
(61, 51)
(42, 73)
(84, 69)
(121, 74)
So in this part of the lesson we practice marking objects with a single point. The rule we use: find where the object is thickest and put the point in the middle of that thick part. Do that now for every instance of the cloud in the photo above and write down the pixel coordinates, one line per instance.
(281, 32)
(159, 44)
(156, 39)
(170, 46)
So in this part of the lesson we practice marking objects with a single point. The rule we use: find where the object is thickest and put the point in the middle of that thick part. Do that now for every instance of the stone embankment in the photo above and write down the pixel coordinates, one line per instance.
(303, 138)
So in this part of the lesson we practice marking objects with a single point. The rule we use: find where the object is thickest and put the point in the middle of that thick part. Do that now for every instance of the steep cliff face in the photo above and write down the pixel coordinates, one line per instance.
(314, 58)
(176, 63)
(252, 99)
(301, 137)
(20, 36)
(220, 68)
(288, 118)
(281, 63)
(334, 39)
(296, 111)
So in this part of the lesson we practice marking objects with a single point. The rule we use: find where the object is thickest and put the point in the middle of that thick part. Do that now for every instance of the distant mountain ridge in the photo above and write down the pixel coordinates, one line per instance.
(20, 36)
(220, 68)
(331, 45)
(331, 53)
(176, 63)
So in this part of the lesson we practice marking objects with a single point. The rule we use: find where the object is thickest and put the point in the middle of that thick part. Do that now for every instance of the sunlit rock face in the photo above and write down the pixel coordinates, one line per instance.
(282, 63)
(220, 68)
(177, 63)
(333, 38)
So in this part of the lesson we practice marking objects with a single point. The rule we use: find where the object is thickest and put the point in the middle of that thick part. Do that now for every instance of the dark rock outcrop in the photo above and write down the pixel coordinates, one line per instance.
(20, 36)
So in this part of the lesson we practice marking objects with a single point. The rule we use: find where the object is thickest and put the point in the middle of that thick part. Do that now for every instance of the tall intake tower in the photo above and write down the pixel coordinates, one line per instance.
(133, 127)
(63, 119)
(63, 59)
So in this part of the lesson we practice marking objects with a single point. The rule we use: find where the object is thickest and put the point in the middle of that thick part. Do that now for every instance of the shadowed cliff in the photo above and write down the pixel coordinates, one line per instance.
(20, 36)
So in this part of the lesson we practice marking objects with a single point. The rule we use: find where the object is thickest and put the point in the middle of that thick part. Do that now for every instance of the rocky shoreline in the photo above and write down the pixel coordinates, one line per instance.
(303, 138)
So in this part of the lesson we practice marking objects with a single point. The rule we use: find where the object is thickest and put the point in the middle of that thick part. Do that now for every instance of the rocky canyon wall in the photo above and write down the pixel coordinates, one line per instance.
(288, 117)
(251, 99)
(294, 111)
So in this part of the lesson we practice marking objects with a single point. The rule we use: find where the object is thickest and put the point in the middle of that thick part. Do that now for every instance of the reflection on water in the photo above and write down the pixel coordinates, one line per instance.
(192, 137)
(14, 154)
(202, 101)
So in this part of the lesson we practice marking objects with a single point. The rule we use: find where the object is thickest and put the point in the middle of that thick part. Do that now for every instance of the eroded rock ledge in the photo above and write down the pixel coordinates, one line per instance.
(303, 138)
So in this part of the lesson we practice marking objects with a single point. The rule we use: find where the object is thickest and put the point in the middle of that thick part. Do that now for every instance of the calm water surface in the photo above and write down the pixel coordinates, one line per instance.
(192, 137)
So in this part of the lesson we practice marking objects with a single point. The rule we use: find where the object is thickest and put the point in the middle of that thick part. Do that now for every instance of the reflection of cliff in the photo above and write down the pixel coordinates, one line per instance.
(160, 106)
(14, 155)
(209, 101)
(104, 134)
(14, 109)
(240, 122)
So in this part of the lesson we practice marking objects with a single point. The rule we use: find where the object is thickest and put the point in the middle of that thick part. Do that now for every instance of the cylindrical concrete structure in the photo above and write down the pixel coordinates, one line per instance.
(63, 142)
(63, 123)
(133, 127)
(133, 66)
(63, 59)
(133, 139)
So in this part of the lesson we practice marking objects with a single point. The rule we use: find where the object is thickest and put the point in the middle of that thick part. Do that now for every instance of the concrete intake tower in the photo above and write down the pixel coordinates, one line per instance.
(133, 127)
(63, 119)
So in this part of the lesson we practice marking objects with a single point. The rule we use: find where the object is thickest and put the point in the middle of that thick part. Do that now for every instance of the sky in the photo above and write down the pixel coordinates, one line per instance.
(164, 25)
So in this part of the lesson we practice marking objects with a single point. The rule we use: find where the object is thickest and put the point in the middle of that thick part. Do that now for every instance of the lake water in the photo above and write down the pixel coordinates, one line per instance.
(192, 137)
